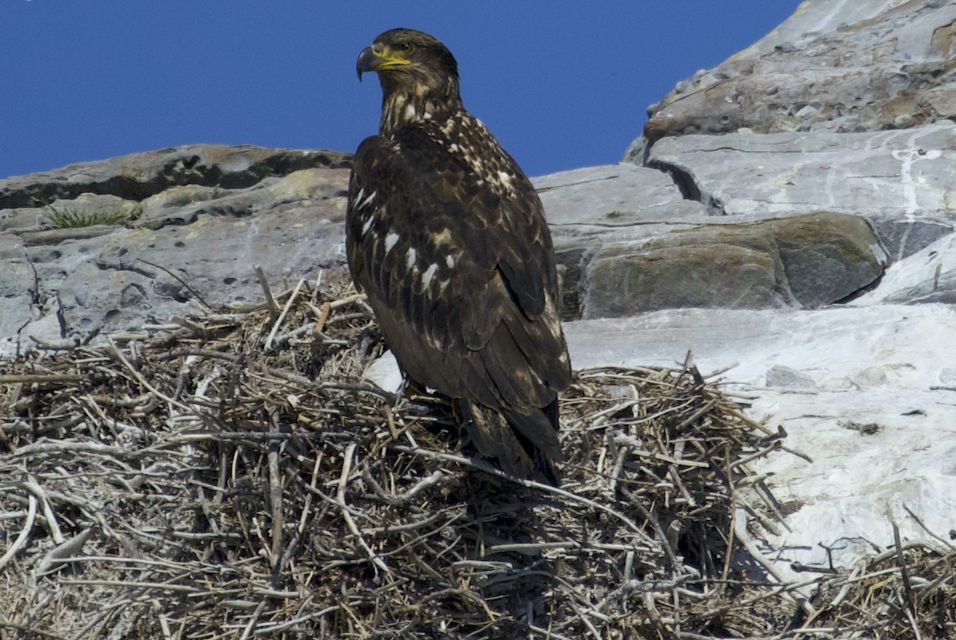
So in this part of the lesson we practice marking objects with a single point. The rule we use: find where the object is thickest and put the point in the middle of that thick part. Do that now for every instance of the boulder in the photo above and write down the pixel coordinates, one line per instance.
(807, 261)
(589, 207)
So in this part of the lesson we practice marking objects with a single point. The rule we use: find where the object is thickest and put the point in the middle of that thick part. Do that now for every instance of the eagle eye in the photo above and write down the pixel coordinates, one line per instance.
(406, 47)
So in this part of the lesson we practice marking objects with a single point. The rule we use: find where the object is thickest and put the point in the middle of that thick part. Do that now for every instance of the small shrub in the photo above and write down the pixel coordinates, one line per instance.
(71, 218)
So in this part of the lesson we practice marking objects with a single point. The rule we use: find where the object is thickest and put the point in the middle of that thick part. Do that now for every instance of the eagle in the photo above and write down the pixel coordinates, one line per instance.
(447, 238)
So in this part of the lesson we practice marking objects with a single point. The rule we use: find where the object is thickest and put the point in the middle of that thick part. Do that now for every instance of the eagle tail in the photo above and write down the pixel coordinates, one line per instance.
(525, 445)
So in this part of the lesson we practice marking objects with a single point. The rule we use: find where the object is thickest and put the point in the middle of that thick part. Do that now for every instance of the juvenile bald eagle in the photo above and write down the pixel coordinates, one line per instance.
(447, 237)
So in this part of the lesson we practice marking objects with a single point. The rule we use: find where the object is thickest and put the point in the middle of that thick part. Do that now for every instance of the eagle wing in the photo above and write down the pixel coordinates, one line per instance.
(458, 265)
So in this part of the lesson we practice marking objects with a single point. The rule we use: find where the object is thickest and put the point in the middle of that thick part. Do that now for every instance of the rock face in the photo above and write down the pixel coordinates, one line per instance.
(630, 242)
(836, 65)
(901, 181)
(841, 114)
(195, 221)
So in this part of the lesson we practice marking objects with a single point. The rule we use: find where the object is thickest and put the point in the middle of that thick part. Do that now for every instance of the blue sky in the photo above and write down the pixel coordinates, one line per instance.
(562, 84)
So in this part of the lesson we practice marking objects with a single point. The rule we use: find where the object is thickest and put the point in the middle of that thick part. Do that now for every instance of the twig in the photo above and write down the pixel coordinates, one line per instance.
(285, 310)
(347, 516)
(270, 301)
(24, 535)
(180, 281)
(39, 378)
(740, 531)
(905, 574)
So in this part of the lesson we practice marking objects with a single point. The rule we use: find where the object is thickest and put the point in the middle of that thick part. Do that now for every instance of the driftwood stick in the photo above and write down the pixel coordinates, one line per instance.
(346, 514)
(905, 574)
(285, 310)
(275, 499)
(270, 300)
(740, 531)
(39, 378)
(24, 535)
(48, 515)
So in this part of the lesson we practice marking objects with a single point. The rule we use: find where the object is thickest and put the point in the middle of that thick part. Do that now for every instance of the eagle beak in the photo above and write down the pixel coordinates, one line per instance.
(377, 58)
(368, 60)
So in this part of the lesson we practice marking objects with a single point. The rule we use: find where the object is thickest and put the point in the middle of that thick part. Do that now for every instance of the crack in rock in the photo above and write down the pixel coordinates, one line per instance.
(688, 186)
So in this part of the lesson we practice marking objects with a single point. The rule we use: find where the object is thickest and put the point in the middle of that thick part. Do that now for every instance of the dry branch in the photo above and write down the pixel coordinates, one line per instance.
(222, 477)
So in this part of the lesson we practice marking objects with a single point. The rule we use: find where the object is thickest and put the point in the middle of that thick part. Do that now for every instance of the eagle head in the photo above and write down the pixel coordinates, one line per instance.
(412, 66)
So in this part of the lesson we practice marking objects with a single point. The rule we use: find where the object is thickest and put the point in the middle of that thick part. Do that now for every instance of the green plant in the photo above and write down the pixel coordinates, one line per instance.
(72, 218)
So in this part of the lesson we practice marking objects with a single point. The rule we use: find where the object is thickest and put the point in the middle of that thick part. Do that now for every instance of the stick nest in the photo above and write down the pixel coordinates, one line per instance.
(232, 476)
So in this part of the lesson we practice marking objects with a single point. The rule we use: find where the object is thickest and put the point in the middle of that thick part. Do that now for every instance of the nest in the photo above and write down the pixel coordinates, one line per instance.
(230, 475)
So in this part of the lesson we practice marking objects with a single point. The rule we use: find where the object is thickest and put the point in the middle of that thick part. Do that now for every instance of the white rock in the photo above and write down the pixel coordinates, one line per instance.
(926, 276)
(384, 373)
(879, 365)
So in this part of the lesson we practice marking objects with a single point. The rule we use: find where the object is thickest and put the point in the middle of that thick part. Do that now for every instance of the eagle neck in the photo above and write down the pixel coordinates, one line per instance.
(400, 108)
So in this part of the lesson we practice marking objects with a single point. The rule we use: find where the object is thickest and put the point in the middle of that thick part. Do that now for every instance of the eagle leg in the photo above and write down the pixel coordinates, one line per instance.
(495, 437)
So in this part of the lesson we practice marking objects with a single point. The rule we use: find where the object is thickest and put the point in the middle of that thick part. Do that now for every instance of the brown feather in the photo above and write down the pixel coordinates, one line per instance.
(447, 237)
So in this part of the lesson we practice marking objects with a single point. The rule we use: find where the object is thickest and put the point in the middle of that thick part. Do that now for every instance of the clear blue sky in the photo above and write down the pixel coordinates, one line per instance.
(562, 84)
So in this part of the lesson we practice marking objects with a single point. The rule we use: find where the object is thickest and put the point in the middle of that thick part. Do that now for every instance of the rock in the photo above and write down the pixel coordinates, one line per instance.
(85, 204)
(842, 109)
(904, 179)
(926, 276)
(589, 207)
(186, 243)
(813, 372)
(140, 175)
(805, 260)
(834, 66)
(17, 289)
(781, 377)
(612, 203)
(628, 241)
(827, 257)
(707, 275)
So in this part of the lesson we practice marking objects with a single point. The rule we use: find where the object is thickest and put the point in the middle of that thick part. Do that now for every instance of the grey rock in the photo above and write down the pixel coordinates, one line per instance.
(85, 204)
(141, 175)
(905, 236)
(835, 64)
(783, 377)
(188, 245)
(707, 275)
(891, 177)
(799, 261)
(17, 289)
(589, 207)
(608, 200)
(827, 257)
